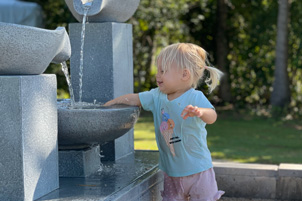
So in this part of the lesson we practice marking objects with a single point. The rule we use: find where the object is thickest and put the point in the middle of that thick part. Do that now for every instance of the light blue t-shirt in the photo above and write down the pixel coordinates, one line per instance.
(182, 143)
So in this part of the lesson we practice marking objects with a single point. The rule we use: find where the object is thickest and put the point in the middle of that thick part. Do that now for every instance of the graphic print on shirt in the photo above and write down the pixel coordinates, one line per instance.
(166, 129)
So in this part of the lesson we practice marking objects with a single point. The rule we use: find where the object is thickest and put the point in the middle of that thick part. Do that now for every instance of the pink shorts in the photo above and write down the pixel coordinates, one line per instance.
(197, 187)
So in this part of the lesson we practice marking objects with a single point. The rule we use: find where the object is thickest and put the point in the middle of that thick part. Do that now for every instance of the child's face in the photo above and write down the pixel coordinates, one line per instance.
(170, 81)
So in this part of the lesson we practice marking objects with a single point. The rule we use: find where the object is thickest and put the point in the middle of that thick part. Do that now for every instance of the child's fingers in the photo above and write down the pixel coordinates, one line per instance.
(185, 116)
(109, 103)
(186, 110)
(189, 111)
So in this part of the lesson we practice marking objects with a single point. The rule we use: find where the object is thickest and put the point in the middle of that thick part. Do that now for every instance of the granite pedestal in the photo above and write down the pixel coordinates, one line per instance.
(289, 186)
(28, 137)
(74, 163)
(131, 178)
(108, 71)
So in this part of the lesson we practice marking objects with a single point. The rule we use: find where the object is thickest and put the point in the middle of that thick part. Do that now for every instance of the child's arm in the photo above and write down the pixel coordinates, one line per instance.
(208, 115)
(128, 99)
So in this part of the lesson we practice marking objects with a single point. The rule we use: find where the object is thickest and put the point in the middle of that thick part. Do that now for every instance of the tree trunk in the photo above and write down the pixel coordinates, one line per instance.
(222, 50)
(280, 96)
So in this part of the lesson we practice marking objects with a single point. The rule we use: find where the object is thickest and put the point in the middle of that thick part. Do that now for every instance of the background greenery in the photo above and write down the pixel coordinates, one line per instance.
(249, 36)
(240, 37)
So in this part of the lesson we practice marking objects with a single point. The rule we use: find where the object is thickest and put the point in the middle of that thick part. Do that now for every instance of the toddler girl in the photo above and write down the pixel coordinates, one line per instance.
(180, 115)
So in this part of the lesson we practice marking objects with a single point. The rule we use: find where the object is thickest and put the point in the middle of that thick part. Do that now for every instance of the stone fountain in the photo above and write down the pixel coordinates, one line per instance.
(28, 117)
(45, 141)
(33, 123)
(103, 72)
(101, 68)
(32, 128)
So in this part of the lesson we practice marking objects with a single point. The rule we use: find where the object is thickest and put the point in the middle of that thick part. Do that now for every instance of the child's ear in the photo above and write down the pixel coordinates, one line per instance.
(186, 74)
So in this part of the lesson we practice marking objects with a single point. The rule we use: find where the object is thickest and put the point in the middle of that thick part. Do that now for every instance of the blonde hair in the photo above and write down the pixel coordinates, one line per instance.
(191, 57)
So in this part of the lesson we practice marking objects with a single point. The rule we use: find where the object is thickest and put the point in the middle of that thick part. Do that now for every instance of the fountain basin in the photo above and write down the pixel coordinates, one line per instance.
(27, 50)
(104, 10)
(93, 125)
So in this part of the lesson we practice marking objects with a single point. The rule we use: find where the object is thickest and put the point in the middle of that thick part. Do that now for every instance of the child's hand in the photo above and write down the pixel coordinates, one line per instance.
(109, 103)
(191, 111)
(128, 99)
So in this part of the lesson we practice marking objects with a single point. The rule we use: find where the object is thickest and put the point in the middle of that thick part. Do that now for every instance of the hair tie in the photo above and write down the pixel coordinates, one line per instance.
(206, 67)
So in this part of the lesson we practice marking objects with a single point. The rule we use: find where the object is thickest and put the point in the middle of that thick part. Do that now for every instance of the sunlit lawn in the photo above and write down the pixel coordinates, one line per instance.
(144, 137)
(240, 138)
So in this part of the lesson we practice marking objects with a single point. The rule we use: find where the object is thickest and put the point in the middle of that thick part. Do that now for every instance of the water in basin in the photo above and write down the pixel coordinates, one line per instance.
(90, 123)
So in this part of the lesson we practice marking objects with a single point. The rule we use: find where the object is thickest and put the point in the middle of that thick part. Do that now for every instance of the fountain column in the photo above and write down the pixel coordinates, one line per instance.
(107, 73)
(28, 136)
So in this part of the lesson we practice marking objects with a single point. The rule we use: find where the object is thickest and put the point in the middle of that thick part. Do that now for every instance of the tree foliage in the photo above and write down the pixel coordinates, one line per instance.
(156, 24)
(251, 33)
(251, 41)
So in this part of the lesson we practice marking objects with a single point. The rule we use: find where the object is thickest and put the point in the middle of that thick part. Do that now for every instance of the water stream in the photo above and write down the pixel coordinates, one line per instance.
(65, 70)
(86, 9)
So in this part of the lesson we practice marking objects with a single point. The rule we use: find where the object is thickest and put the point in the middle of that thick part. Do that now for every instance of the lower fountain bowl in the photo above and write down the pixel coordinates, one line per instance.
(93, 124)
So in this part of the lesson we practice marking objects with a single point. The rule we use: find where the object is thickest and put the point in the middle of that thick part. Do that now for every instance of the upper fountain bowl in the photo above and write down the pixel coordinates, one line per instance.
(103, 10)
(27, 50)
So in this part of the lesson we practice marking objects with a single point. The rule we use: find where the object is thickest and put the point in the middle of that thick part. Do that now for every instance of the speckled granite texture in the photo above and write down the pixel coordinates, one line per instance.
(104, 10)
(28, 137)
(95, 126)
(108, 71)
(27, 50)
(131, 178)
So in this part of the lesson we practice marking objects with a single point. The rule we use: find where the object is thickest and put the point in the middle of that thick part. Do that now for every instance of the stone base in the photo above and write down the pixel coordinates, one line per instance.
(138, 179)
(131, 178)
(241, 180)
(28, 137)
(118, 148)
(247, 180)
(148, 188)
(79, 163)
(289, 186)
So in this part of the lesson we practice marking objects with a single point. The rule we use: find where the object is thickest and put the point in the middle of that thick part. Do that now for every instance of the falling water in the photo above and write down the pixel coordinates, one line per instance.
(65, 70)
(86, 9)
(80, 104)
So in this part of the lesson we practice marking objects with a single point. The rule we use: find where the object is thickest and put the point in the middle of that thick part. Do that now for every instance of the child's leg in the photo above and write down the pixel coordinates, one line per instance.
(205, 187)
(173, 189)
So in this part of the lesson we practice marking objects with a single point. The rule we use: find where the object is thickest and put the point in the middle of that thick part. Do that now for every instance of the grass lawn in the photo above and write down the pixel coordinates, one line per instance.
(240, 138)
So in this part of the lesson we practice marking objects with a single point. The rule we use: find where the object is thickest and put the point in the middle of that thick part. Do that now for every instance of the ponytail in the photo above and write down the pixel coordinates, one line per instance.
(213, 80)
